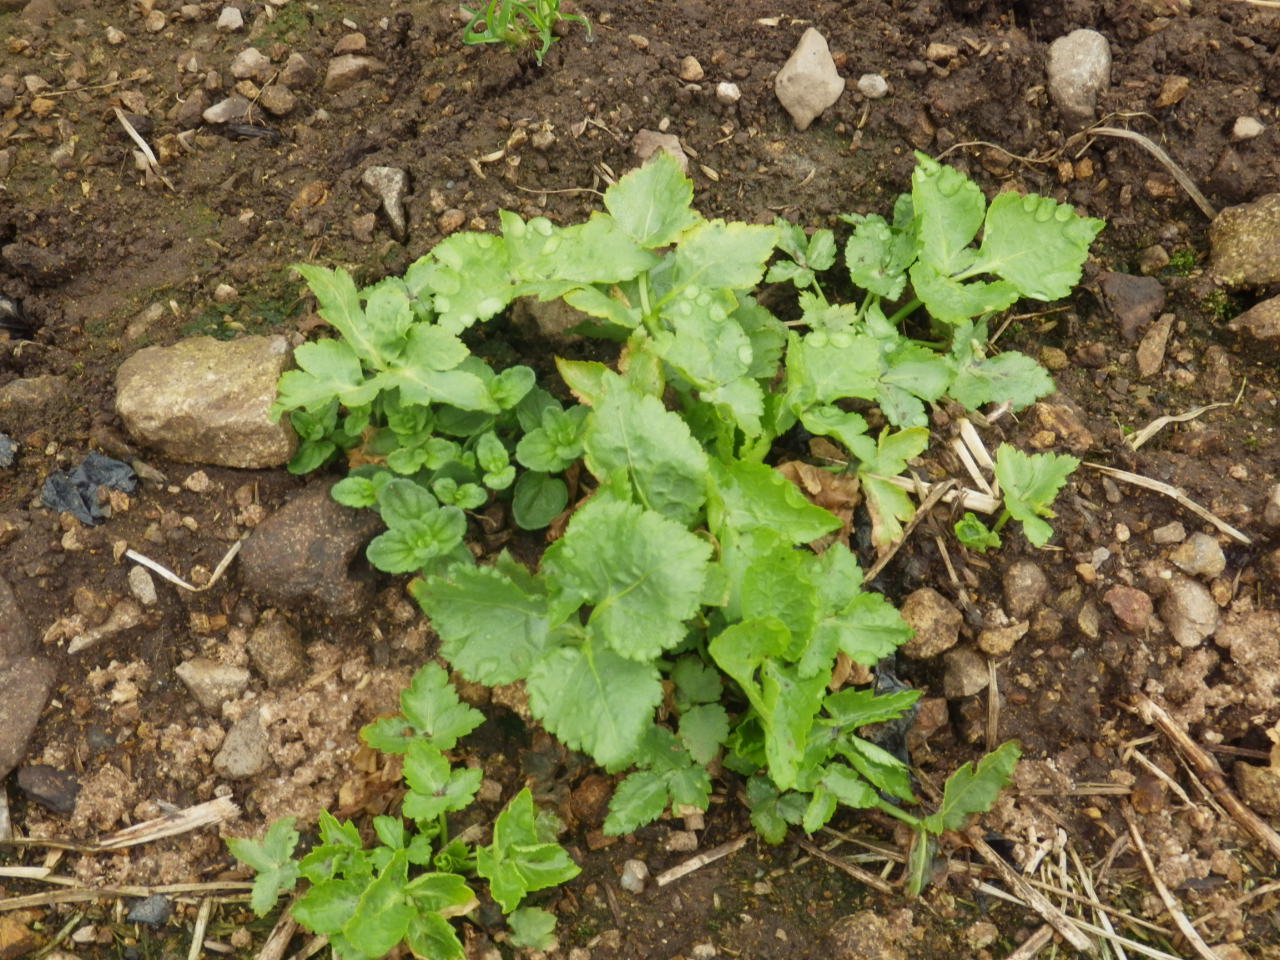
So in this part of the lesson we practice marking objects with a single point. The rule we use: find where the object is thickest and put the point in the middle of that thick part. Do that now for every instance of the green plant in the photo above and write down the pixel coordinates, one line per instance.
(518, 23)
(412, 882)
(975, 535)
(1030, 483)
(686, 580)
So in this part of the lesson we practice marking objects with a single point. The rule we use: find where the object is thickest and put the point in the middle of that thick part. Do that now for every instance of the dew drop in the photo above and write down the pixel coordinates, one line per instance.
(1063, 213)
(1044, 212)
(542, 225)
(745, 354)
(817, 339)
(841, 340)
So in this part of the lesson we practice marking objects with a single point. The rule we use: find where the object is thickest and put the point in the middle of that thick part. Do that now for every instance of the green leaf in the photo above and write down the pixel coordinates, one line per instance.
(382, 916)
(715, 255)
(975, 534)
(641, 573)
(431, 705)
(707, 347)
(973, 789)
(951, 301)
(272, 859)
(517, 862)
(777, 584)
(556, 443)
(594, 700)
(867, 629)
(636, 434)
(538, 499)
(469, 276)
(532, 927)
(430, 935)
(824, 368)
(335, 292)
(492, 628)
(1007, 377)
(747, 496)
(696, 682)
(327, 907)
(878, 256)
(772, 811)
(878, 765)
(1036, 243)
(1029, 484)
(741, 402)
(851, 708)
(328, 370)
(849, 788)
(703, 731)
(446, 894)
(434, 786)
(948, 209)
(588, 380)
(652, 203)
(821, 808)
(640, 798)
(767, 334)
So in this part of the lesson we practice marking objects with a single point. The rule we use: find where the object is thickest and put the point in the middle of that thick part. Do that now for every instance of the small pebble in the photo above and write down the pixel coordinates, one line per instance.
(230, 19)
(691, 70)
(726, 92)
(114, 37)
(872, 86)
(1246, 128)
(1173, 532)
(634, 875)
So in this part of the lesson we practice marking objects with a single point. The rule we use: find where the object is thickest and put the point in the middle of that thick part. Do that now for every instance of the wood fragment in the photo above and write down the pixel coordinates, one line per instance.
(1170, 902)
(173, 578)
(184, 821)
(1159, 423)
(969, 499)
(934, 494)
(1166, 161)
(701, 860)
(81, 894)
(1033, 944)
(278, 940)
(201, 925)
(862, 876)
(1207, 768)
(1066, 926)
(152, 163)
(1173, 493)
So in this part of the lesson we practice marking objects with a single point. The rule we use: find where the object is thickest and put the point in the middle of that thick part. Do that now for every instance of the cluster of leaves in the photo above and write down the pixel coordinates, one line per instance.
(682, 617)
(517, 23)
(408, 885)
(1030, 483)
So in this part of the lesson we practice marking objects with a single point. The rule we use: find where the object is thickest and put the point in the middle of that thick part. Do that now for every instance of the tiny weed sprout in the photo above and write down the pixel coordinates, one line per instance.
(691, 613)
(518, 23)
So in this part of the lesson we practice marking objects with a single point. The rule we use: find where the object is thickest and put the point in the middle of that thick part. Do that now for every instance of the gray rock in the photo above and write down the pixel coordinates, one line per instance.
(16, 636)
(191, 110)
(965, 673)
(934, 619)
(1200, 556)
(1246, 128)
(26, 681)
(648, 142)
(1244, 243)
(348, 70)
(808, 82)
(275, 647)
(728, 93)
(1188, 611)
(251, 64)
(234, 109)
(230, 19)
(1172, 532)
(124, 615)
(634, 875)
(872, 86)
(244, 752)
(1133, 301)
(208, 401)
(31, 396)
(50, 787)
(1024, 588)
(304, 553)
(212, 683)
(389, 184)
(297, 73)
(1079, 69)
(277, 99)
(1261, 321)
(1151, 351)
(142, 586)
(154, 911)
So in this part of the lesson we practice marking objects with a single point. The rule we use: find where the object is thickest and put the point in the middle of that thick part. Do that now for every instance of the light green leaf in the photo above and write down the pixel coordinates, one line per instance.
(867, 629)
(470, 279)
(446, 894)
(431, 705)
(435, 787)
(1035, 243)
(822, 807)
(1029, 484)
(273, 861)
(696, 682)
(741, 401)
(878, 765)
(326, 907)
(538, 499)
(849, 788)
(951, 301)
(772, 811)
(851, 708)
(339, 302)
(556, 443)
(640, 798)
(600, 251)
(973, 789)
(747, 496)
(492, 629)
(777, 584)
(328, 370)
(708, 347)
(594, 700)
(641, 573)
(878, 256)
(666, 466)
(889, 508)
(767, 334)
(948, 209)
(430, 935)
(824, 368)
(703, 731)
(652, 203)
(716, 255)
(517, 862)
(382, 916)
(532, 927)
(1007, 377)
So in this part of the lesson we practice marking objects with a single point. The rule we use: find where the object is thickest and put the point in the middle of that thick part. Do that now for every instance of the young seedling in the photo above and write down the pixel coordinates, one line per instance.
(517, 23)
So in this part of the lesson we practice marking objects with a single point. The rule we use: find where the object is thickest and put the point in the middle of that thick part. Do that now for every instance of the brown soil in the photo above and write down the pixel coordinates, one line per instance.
(98, 246)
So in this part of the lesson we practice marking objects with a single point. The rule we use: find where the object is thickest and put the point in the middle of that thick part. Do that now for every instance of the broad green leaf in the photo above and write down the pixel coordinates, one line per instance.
(556, 442)
(340, 852)
(415, 539)
(382, 916)
(652, 203)
(1036, 243)
(446, 894)
(742, 402)
(326, 907)
(470, 279)
(1007, 377)
(747, 496)
(948, 209)
(790, 703)
(492, 629)
(1029, 484)
(690, 786)
(912, 373)
(435, 787)
(600, 251)
(878, 256)
(641, 573)
(458, 388)
(538, 499)
(431, 705)
(715, 255)
(636, 434)
(829, 420)
(821, 808)
(273, 860)
(771, 811)
(594, 700)
(973, 789)
(707, 347)
(818, 314)
(824, 368)
(588, 380)
(339, 302)
(430, 935)
(849, 788)
(610, 307)
(696, 682)
(878, 765)
(328, 370)
(517, 862)
(512, 385)
(889, 508)
(894, 449)
(703, 730)
(867, 629)
(532, 927)
(777, 584)
(951, 301)
(433, 348)
(767, 334)
(640, 798)
(851, 708)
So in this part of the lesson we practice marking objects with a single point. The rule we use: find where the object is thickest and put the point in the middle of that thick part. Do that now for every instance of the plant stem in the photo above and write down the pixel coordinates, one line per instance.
(905, 311)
